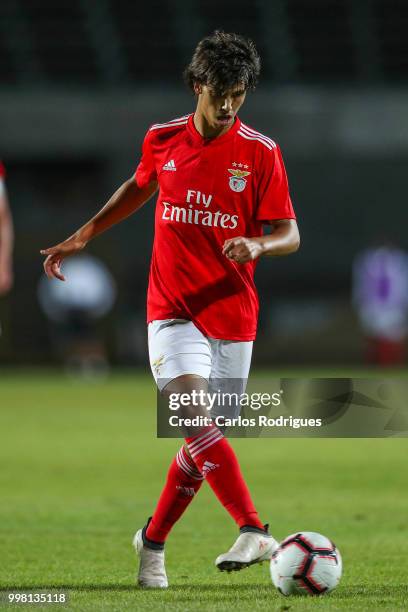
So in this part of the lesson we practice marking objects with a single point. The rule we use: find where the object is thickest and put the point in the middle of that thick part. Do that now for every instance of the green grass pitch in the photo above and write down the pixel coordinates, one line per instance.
(81, 468)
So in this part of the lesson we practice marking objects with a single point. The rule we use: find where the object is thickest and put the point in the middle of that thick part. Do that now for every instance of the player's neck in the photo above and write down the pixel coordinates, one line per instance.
(205, 129)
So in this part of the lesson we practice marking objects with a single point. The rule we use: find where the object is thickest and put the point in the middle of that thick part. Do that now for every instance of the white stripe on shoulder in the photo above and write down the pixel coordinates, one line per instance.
(266, 144)
(252, 132)
(173, 120)
(167, 125)
(178, 121)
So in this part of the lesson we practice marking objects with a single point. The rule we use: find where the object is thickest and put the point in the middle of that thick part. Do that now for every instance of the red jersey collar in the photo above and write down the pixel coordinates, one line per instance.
(198, 139)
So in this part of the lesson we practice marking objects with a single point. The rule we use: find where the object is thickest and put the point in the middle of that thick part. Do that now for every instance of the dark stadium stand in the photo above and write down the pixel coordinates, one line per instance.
(392, 31)
(111, 43)
(60, 40)
(322, 37)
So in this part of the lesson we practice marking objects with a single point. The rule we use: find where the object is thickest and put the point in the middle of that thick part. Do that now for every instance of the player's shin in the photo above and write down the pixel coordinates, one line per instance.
(183, 482)
(216, 460)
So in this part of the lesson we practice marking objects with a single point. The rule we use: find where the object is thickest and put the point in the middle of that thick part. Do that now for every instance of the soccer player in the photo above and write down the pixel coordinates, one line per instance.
(6, 237)
(219, 182)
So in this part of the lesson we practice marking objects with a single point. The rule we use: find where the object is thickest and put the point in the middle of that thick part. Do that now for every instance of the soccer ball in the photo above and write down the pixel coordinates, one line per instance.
(306, 563)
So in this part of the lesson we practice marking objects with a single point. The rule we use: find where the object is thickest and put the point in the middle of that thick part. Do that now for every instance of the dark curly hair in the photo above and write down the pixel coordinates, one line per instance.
(222, 61)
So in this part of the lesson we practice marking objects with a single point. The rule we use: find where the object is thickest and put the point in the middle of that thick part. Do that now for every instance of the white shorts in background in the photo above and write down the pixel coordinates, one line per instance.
(177, 347)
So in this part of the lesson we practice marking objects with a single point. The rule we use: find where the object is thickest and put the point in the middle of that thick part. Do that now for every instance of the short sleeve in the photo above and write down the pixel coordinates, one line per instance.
(273, 191)
(146, 170)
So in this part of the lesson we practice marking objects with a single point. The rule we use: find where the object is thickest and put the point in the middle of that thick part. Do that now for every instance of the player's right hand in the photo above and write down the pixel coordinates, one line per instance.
(56, 255)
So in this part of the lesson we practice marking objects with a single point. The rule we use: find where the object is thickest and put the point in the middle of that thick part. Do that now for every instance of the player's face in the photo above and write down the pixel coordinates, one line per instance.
(219, 110)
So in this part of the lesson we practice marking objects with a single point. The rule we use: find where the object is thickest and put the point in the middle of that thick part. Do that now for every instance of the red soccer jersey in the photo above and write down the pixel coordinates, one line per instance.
(210, 190)
(2, 170)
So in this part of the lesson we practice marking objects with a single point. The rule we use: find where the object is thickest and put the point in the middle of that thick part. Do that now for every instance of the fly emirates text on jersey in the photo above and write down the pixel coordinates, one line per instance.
(197, 216)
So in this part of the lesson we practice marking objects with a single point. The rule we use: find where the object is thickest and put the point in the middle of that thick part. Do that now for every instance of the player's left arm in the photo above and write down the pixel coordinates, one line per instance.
(6, 242)
(283, 240)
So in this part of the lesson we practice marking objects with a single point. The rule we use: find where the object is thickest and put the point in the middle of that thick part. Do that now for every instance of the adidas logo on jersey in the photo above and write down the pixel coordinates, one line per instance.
(209, 467)
(170, 165)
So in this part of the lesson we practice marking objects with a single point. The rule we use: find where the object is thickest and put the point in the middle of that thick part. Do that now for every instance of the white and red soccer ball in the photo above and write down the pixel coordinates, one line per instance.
(306, 563)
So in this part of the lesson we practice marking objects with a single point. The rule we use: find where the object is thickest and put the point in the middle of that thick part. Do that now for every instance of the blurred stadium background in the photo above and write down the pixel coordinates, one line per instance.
(81, 81)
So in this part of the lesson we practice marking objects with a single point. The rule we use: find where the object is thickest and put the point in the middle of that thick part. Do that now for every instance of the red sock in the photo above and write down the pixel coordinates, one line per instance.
(183, 482)
(216, 460)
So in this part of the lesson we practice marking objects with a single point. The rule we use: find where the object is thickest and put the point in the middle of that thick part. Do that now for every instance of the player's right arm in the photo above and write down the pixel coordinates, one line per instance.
(6, 239)
(124, 202)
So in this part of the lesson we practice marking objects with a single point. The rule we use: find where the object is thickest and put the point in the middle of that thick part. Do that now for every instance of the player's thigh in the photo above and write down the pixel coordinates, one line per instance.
(177, 348)
(231, 362)
(231, 359)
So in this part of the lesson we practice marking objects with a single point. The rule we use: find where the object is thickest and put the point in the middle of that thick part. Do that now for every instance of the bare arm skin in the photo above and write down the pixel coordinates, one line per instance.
(283, 240)
(125, 201)
(6, 245)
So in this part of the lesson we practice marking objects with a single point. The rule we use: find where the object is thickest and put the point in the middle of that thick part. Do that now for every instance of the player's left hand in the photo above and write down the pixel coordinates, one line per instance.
(241, 249)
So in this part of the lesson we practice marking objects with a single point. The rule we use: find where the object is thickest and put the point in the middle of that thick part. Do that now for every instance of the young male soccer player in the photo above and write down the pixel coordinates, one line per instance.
(6, 237)
(219, 181)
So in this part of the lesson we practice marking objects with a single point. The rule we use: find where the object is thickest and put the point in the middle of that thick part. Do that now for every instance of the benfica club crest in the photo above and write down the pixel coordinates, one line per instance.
(237, 181)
